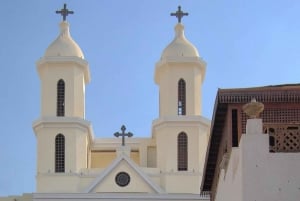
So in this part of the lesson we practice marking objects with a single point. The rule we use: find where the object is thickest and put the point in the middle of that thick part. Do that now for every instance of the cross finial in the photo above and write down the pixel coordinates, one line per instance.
(123, 134)
(64, 12)
(179, 14)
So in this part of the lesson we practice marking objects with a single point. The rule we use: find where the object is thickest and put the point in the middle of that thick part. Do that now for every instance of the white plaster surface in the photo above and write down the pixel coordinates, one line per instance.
(180, 46)
(64, 45)
(254, 174)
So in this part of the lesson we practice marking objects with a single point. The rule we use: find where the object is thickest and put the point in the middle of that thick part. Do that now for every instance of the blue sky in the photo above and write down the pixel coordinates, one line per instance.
(245, 44)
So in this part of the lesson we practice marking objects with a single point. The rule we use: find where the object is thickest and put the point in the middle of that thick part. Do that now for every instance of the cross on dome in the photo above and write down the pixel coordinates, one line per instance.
(123, 134)
(64, 12)
(179, 14)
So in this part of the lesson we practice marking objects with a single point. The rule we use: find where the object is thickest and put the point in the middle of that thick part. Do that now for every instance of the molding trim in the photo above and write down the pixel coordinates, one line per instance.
(52, 122)
(83, 64)
(191, 121)
(118, 196)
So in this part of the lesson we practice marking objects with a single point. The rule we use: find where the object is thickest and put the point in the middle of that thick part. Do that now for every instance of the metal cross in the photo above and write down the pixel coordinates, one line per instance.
(64, 12)
(179, 14)
(123, 134)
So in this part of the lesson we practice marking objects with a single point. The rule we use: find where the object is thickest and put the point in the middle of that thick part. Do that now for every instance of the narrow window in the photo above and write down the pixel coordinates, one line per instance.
(181, 97)
(234, 128)
(60, 101)
(60, 153)
(182, 149)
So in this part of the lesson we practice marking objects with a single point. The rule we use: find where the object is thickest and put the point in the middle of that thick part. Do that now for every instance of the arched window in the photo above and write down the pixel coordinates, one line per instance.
(182, 152)
(60, 99)
(60, 153)
(181, 97)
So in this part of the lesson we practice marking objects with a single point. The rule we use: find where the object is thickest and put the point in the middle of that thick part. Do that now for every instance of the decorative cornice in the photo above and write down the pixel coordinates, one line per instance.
(262, 94)
(181, 120)
(83, 64)
(62, 59)
(189, 61)
(63, 122)
(118, 196)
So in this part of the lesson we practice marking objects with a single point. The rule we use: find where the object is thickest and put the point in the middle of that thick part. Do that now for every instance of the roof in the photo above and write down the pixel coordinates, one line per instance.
(64, 45)
(180, 47)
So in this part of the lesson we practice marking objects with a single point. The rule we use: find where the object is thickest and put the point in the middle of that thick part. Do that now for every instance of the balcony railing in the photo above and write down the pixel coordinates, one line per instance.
(283, 137)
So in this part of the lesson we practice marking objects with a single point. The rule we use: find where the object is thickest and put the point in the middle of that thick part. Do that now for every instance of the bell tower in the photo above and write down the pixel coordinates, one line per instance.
(180, 131)
(63, 135)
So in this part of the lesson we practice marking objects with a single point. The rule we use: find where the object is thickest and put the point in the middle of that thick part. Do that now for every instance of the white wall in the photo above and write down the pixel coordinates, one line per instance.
(254, 173)
(230, 180)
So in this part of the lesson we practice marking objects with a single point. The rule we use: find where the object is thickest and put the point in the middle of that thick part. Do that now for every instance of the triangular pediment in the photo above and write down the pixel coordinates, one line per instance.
(123, 176)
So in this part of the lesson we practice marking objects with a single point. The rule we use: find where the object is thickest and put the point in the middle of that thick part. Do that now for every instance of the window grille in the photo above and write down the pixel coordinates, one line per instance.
(60, 102)
(182, 148)
(181, 97)
(279, 115)
(60, 153)
(283, 137)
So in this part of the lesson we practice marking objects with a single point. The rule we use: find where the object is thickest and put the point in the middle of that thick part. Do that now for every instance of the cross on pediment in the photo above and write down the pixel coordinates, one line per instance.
(179, 14)
(123, 134)
(64, 12)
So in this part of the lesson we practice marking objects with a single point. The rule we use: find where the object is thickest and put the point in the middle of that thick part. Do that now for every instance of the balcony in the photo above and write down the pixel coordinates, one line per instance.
(283, 137)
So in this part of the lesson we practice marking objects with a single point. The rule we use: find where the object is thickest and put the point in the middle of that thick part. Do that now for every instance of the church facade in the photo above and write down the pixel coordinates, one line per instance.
(73, 163)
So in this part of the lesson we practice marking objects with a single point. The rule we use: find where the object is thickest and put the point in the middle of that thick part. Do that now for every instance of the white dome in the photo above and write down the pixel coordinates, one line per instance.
(180, 46)
(64, 45)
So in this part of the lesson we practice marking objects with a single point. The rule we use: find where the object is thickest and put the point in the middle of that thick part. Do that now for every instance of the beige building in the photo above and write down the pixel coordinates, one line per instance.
(74, 164)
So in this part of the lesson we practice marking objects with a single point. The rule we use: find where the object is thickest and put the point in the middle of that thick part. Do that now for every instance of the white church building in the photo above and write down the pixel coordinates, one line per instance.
(184, 154)
(74, 164)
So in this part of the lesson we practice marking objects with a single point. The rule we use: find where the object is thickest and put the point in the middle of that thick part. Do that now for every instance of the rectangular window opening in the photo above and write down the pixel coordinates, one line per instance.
(234, 128)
